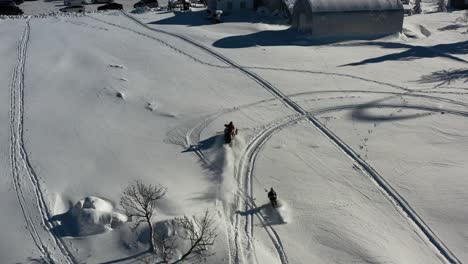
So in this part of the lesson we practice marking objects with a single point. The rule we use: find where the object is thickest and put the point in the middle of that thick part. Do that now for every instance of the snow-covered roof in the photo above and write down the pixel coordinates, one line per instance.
(354, 5)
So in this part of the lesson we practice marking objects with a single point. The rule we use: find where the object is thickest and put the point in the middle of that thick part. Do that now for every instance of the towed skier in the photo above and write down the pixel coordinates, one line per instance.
(229, 132)
(273, 198)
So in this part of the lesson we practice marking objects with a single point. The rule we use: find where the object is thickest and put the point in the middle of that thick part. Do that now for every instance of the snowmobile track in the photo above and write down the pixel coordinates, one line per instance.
(198, 60)
(247, 163)
(234, 235)
(247, 166)
(164, 43)
(363, 165)
(32, 202)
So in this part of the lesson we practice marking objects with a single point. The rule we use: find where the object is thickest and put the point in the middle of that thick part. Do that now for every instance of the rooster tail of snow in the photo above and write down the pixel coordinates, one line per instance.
(231, 154)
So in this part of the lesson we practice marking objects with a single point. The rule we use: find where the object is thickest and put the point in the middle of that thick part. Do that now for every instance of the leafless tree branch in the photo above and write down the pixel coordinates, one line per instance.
(139, 200)
(201, 234)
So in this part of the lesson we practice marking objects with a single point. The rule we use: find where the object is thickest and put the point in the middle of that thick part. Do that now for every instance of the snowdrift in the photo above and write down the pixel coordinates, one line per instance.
(90, 216)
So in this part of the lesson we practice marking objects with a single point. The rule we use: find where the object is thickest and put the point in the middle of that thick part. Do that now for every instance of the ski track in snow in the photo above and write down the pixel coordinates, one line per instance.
(247, 166)
(391, 193)
(32, 202)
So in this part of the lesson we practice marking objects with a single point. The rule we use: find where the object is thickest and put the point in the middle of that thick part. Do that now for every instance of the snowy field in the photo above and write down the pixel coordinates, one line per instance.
(365, 141)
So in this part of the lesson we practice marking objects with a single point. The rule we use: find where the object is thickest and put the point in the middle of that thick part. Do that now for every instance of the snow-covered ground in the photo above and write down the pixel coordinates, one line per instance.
(364, 141)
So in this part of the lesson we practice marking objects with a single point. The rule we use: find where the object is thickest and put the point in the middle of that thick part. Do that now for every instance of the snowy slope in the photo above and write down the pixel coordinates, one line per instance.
(11, 220)
(107, 100)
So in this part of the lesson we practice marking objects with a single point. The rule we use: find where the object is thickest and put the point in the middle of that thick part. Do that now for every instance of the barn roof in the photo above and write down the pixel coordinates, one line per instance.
(354, 5)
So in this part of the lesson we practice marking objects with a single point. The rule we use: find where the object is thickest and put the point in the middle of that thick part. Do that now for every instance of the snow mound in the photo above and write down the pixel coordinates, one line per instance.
(94, 215)
(140, 10)
(416, 31)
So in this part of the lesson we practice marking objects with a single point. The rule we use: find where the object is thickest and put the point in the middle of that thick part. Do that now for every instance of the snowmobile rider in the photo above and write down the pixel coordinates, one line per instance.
(272, 196)
(231, 128)
(229, 132)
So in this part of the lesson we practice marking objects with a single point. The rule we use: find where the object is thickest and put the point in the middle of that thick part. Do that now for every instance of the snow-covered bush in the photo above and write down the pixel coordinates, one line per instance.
(94, 215)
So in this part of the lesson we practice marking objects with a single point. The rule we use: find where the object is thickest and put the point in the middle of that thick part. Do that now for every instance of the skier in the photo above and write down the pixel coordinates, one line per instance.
(229, 132)
(272, 196)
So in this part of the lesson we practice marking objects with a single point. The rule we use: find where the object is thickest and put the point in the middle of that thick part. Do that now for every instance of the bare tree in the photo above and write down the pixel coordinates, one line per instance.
(417, 7)
(139, 200)
(442, 6)
(165, 247)
(201, 234)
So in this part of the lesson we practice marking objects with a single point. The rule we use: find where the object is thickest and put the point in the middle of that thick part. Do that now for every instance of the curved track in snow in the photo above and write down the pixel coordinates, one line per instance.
(337, 74)
(247, 164)
(346, 149)
(32, 202)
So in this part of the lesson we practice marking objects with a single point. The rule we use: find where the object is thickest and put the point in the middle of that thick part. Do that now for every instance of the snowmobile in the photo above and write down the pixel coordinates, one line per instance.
(214, 15)
(229, 132)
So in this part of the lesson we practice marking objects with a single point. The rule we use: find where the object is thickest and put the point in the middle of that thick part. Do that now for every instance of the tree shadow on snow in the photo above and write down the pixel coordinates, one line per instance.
(134, 257)
(446, 77)
(39, 260)
(412, 52)
(452, 27)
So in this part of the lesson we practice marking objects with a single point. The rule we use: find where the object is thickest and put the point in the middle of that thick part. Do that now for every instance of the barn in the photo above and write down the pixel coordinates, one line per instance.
(348, 18)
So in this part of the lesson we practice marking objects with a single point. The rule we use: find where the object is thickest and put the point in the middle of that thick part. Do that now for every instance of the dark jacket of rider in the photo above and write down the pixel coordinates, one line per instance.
(272, 194)
(230, 127)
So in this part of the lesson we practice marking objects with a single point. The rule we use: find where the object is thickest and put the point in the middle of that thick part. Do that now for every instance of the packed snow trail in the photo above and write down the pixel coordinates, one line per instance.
(363, 165)
(247, 162)
(30, 197)
(333, 138)
(344, 75)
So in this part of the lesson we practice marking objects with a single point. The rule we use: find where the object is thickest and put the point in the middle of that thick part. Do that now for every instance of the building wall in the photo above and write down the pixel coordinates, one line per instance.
(301, 9)
(346, 23)
(229, 6)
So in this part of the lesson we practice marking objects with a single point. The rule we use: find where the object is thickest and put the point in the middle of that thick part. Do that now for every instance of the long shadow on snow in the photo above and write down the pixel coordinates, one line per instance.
(205, 144)
(214, 167)
(412, 52)
(286, 37)
(134, 257)
(270, 215)
(199, 18)
(360, 112)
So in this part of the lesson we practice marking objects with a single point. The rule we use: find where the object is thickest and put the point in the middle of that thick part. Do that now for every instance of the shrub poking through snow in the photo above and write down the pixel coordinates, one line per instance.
(417, 7)
(139, 201)
(200, 233)
(441, 6)
(120, 95)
